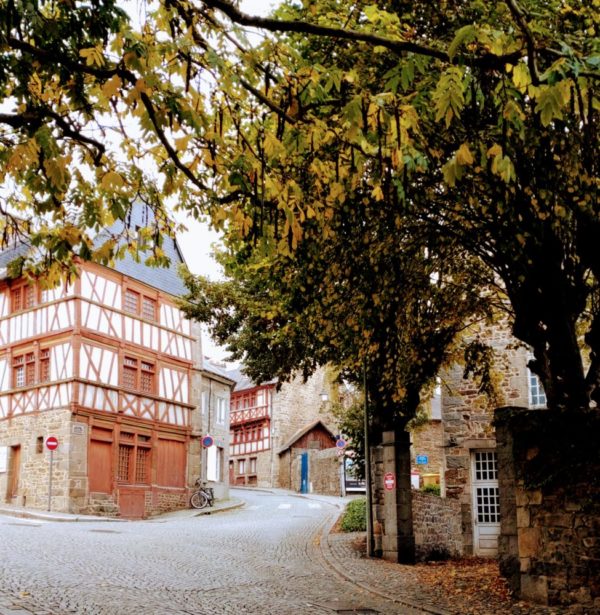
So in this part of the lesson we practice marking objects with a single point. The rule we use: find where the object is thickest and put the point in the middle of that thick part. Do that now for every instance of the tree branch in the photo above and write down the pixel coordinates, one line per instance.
(168, 147)
(519, 16)
(395, 46)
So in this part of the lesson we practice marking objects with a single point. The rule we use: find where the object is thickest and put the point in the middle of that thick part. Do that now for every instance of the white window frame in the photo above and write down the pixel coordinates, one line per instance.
(435, 405)
(535, 390)
(221, 411)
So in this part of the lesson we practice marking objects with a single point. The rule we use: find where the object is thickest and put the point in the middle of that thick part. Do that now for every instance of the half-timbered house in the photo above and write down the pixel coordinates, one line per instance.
(110, 367)
(264, 418)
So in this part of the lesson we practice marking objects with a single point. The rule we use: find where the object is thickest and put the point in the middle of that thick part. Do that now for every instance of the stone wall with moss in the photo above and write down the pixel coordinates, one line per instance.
(549, 472)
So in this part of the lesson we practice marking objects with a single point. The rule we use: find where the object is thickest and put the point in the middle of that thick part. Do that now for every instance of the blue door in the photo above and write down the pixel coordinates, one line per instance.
(304, 473)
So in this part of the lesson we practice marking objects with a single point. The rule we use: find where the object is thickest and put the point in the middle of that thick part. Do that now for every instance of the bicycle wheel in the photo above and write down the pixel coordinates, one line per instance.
(198, 500)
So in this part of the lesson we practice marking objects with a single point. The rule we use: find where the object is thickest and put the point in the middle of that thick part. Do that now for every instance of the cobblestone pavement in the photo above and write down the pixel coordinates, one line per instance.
(263, 559)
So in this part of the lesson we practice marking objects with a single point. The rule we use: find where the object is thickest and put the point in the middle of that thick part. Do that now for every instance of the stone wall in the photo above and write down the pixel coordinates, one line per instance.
(428, 440)
(297, 404)
(549, 469)
(467, 417)
(437, 526)
(30, 431)
(323, 470)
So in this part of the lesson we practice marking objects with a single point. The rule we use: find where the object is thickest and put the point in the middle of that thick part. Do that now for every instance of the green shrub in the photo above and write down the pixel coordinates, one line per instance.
(433, 489)
(354, 518)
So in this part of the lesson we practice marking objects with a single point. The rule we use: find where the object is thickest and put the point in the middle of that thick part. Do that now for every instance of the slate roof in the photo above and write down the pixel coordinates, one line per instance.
(214, 368)
(161, 278)
(242, 382)
(9, 254)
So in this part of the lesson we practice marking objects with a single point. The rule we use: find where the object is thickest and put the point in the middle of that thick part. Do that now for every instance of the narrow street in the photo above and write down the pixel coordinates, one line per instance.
(263, 558)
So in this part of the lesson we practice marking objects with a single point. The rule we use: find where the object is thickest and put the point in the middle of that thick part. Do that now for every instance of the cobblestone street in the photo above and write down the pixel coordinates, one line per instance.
(264, 558)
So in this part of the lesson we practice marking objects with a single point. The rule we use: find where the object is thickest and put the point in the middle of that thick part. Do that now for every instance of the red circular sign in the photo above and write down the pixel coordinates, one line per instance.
(51, 443)
(207, 441)
(389, 481)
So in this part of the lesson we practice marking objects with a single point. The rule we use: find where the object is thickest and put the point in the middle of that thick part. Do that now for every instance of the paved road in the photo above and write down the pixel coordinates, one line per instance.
(264, 558)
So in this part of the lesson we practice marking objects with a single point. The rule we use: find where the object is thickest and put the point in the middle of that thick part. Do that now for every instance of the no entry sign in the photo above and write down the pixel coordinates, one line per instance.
(51, 443)
(389, 481)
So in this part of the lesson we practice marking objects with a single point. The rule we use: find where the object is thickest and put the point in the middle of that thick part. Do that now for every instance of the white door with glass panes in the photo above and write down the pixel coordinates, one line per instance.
(486, 503)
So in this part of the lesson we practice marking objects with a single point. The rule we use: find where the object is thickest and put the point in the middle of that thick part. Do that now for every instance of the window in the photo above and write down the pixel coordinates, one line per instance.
(221, 410)
(39, 445)
(22, 297)
(134, 458)
(147, 377)
(138, 375)
(44, 365)
(204, 402)
(148, 308)
(24, 370)
(241, 466)
(537, 395)
(141, 305)
(131, 302)
(252, 465)
(435, 403)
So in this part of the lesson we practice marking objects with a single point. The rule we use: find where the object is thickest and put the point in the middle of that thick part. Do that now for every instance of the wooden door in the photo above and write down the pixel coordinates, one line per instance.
(14, 471)
(231, 473)
(100, 466)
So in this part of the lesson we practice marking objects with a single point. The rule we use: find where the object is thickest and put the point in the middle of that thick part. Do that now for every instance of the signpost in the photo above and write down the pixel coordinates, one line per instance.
(207, 441)
(51, 445)
(389, 481)
(340, 444)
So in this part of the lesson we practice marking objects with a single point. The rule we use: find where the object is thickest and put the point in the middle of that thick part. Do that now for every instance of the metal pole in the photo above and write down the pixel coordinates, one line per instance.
(368, 468)
(50, 481)
(343, 475)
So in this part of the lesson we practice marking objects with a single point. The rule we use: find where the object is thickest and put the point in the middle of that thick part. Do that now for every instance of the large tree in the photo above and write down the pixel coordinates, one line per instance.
(478, 120)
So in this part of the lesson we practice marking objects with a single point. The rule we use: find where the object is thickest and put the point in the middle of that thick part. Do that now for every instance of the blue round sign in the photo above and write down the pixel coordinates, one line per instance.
(340, 443)
(207, 441)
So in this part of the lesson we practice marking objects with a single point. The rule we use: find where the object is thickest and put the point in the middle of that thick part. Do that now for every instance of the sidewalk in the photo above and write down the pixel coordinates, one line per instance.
(31, 513)
(411, 586)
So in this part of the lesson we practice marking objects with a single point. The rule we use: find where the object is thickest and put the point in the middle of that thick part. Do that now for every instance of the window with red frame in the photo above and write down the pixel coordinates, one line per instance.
(22, 297)
(131, 301)
(24, 370)
(138, 375)
(44, 365)
(141, 305)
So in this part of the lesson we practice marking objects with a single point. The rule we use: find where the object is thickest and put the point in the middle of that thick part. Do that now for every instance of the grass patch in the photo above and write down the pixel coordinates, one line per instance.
(354, 518)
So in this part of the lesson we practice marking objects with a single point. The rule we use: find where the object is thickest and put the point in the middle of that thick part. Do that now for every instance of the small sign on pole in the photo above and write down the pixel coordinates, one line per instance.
(207, 441)
(389, 481)
(340, 443)
(51, 445)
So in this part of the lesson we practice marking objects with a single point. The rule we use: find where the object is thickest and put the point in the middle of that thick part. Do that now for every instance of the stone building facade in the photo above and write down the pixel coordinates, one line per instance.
(457, 447)
(110, 367)
(263, 419)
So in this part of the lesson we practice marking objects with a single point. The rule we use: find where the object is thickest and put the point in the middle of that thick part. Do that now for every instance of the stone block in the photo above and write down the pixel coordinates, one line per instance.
(534, 588)
(529, 541)
(523, 517)
(525, 564)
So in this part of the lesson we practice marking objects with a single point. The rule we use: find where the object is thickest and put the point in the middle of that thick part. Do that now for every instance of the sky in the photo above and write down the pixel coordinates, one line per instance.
(197, 242)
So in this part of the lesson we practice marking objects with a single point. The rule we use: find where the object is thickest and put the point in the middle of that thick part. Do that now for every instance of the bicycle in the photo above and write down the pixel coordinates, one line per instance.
(203, 496)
